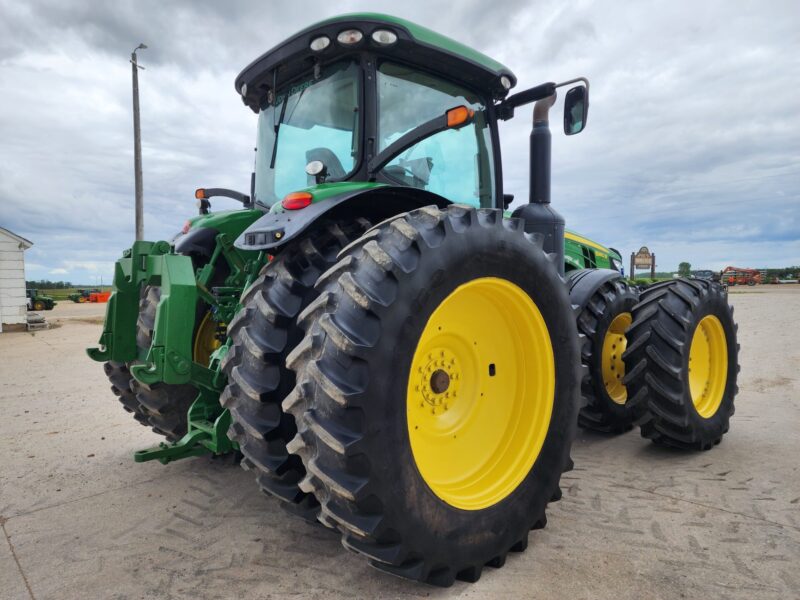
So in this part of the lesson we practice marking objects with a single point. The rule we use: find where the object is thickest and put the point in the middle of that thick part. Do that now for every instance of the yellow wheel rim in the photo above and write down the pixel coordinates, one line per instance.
(708, 366)
(205, 341)
(480, 393)
(612, 365)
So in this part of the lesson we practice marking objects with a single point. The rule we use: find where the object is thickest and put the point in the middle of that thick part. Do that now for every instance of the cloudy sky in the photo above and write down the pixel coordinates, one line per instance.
(692, 145)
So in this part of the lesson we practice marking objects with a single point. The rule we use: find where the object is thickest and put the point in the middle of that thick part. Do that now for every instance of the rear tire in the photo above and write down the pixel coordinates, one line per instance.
(263, 332)
(356, 402)
(681, 363)
(603, 321)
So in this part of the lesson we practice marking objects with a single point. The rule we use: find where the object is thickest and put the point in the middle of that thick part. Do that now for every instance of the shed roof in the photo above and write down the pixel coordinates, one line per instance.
(25, 244)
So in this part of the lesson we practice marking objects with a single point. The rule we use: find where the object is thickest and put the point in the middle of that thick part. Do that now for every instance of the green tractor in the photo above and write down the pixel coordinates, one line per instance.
(37, 301)
(394, 352)
(81, 296)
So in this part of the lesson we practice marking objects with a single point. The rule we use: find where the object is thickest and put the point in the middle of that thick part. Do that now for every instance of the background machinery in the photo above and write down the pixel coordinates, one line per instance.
(37, 301)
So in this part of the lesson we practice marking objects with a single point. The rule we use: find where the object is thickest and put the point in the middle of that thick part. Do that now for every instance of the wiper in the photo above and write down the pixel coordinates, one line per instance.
(277, 127)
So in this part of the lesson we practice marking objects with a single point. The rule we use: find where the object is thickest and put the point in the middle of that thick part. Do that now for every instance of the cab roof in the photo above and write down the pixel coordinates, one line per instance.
(415, 45)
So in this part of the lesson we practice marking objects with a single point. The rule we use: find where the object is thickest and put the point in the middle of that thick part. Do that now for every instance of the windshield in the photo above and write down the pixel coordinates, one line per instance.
(455, 163)
(312, 119)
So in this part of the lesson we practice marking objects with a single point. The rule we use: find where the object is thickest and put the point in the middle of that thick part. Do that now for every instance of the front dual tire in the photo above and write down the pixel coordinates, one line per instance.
(682, 363)
(437, 392)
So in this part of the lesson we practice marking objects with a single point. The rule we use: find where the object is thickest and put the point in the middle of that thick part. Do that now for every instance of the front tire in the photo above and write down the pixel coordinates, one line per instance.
(164, 405)
(603, 321)
(681, 363)
(431, 303)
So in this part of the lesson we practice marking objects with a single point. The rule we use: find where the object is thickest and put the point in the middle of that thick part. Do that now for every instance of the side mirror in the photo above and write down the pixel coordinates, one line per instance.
(576, 110)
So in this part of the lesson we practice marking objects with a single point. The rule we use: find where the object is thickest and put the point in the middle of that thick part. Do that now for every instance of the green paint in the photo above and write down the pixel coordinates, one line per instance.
(326, 191)
(425, 36)
(208, 421)
(230, 222)
(35, 297)
(580, 252)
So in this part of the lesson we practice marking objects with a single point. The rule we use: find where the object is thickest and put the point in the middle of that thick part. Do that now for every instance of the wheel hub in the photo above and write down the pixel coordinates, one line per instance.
(438, 381)
(612, 365)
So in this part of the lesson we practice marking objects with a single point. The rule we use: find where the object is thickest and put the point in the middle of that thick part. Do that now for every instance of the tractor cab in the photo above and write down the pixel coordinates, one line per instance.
(316, 130)
(368, 110)
(335, 96)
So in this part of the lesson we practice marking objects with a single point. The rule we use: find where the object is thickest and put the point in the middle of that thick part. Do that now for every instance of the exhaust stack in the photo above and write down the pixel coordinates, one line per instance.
(539, 216)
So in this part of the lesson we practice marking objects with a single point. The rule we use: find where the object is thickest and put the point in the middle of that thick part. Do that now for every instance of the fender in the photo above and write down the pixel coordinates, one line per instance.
(583, 283)
(334, 200)
(199, 241)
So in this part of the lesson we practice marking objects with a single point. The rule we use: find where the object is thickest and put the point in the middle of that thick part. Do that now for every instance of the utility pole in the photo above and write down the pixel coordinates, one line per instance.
(137, 144)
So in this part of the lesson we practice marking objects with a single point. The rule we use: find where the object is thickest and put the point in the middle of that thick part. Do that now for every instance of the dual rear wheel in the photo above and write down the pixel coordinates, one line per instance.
(435, 397)
(666, 360)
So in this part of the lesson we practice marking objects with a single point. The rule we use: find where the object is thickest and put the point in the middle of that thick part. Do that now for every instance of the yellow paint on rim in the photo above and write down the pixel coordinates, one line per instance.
(708, 366)
(205, 340)
(612, 365)
(480, 393)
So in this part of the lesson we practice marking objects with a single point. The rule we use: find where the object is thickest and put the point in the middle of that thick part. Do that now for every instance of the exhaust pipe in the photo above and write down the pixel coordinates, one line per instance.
(538, 215)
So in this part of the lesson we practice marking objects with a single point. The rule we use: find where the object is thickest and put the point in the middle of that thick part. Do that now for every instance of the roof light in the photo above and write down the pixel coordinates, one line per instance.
(315, 167)
(349, 37)
(384, 37)
(296, 200)
(320, 43)
(460, 115)
(505, 82)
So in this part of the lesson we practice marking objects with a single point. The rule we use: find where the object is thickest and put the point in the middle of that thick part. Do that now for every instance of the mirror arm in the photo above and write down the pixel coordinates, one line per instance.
(505, 110)
(404, 142)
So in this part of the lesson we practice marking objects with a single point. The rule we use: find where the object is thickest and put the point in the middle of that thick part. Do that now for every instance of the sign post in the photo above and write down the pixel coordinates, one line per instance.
(643, 259)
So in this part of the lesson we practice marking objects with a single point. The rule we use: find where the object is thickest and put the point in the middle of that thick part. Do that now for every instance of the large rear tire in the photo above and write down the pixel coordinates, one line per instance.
(437, 392)
(681, 363)
(263, 332)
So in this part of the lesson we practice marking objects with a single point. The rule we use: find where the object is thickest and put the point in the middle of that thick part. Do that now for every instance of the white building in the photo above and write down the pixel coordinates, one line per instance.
(13, 305)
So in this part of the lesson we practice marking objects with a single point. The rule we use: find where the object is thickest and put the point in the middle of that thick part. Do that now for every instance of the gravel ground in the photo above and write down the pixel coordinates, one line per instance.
(81, 520)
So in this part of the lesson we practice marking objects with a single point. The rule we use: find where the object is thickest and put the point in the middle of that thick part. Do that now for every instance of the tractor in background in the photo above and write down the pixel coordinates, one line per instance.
(37, 301)
(81, 295)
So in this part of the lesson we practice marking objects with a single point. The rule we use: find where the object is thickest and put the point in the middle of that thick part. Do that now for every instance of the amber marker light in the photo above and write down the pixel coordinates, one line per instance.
(459, 115)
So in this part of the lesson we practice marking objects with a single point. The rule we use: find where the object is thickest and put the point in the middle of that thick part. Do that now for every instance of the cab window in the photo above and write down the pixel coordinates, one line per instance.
(457, 163)
(315, 118)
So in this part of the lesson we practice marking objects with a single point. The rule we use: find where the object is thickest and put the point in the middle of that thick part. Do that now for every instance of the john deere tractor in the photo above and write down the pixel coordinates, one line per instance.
(37, 301)
(393, 350)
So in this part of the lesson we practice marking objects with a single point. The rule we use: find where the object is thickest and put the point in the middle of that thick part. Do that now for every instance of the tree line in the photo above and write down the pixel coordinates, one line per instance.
(46, 284)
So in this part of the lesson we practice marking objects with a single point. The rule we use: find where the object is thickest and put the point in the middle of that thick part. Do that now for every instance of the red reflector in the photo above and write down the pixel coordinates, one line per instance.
(296, 200)
(186, 227)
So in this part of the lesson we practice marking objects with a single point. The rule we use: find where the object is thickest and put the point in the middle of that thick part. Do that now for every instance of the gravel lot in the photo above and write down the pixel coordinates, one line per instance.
(81, 520)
